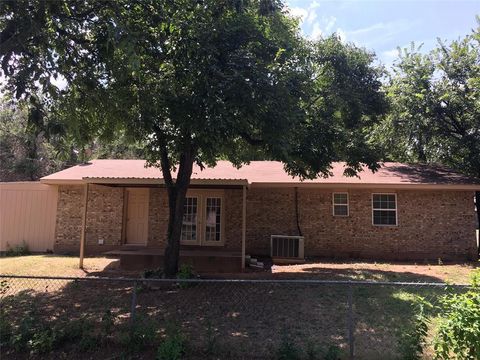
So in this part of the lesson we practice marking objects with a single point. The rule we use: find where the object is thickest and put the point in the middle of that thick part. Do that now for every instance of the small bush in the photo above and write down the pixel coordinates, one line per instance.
(312, 350)
(140, 334)
(332, 353)
(173, 346)
(20, 338)
(5, 330)
(43, 340)
(287, 350)
(153, 273)
(81, 332)
(412, 341)
(17, 250)
(107, 323)
(459, 325)
(185, 272)
(211, 340)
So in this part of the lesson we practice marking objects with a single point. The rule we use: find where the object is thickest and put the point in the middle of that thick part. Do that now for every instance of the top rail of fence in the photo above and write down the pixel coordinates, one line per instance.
(242, 281)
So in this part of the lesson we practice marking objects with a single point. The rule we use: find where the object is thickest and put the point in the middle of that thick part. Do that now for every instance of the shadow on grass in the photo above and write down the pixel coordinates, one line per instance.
(225, 320)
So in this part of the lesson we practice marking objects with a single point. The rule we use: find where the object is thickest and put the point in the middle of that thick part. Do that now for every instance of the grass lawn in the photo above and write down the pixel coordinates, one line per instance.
(54, 265)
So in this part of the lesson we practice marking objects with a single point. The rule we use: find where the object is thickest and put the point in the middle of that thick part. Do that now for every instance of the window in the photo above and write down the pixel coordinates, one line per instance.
(384, 209)
(203, 218)
(189, 224)
(340, 204)
(213, 215)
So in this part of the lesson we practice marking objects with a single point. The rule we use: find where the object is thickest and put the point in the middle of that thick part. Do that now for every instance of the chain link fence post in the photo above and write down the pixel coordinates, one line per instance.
(351, 324)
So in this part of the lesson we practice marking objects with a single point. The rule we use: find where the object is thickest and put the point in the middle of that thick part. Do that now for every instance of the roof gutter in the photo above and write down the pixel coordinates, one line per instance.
(397, 186)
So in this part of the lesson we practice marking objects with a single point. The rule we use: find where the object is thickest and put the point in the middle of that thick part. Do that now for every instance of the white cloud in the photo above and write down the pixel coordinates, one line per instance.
(390, 54)
(379, 33)
(316, 31)
(306, 14)
(312, 15)
(299, 12)
(330, 23)
(342, 34)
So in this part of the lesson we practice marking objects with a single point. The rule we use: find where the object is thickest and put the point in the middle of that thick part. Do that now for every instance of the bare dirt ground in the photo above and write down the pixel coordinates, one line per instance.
(55, 265)
(226, 320)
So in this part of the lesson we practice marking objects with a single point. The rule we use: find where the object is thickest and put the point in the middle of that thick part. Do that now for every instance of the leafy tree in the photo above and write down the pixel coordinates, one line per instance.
(195, 82)
(24, 152)
(435, 107)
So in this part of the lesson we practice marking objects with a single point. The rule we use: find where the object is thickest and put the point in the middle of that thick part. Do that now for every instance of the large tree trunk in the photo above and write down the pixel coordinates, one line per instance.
(176, 196)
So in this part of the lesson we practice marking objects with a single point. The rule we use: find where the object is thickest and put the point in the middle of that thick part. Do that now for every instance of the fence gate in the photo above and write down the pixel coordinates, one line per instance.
(27, 214)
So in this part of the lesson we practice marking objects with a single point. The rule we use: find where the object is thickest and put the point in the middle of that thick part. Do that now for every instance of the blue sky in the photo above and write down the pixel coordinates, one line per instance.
(383, 25)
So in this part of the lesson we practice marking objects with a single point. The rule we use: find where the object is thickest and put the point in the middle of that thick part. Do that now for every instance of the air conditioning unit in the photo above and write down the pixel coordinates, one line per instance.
(286, 249)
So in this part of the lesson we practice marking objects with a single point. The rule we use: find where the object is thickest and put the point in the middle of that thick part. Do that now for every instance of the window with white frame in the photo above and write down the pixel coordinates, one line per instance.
(213, 215)
(189, 224)
(203, 218)
(384, 209)
(340, 204)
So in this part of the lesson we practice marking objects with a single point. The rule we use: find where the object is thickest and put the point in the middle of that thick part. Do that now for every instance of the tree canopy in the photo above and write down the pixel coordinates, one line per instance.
(194, 82)
(435, 106)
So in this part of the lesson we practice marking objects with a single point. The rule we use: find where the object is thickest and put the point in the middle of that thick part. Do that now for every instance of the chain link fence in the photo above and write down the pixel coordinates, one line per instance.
(224, 319)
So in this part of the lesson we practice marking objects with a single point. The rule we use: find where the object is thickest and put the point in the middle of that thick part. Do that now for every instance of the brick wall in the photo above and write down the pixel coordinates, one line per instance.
(104, 218)
(431, 224)
(158, 219)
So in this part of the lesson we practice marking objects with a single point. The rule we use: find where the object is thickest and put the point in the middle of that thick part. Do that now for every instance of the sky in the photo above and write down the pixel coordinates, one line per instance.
(384, 25)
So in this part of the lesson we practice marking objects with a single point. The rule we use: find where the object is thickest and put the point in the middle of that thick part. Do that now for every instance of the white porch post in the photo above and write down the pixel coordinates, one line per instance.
(244, 224)
(84, 225)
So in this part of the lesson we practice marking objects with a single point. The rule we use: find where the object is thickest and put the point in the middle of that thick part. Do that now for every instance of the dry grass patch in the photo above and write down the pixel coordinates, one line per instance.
(450, 273)
(55, 265)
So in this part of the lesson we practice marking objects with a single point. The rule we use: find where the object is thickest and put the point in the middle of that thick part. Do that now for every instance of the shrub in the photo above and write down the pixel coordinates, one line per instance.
(107, 323)
(413, 340)
(287, 350)
(81, 332)
(153, 273)
(211, 340)
(173, 346)
(332, 353)
(17, 250)
(24, 333)
(136, 336)
(43, 340)
(312, 350)
(185, 272)
(459, 326)
(5, 330)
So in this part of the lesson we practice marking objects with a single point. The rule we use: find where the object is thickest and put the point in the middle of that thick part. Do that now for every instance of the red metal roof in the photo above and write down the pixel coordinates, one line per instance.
(262, 172)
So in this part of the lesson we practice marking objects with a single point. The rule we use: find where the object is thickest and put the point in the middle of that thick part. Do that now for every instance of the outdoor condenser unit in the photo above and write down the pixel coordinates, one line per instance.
(286, 249)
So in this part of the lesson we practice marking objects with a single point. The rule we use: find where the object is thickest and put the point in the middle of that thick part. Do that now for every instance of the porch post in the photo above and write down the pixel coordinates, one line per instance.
(84, 225)
(244, 223)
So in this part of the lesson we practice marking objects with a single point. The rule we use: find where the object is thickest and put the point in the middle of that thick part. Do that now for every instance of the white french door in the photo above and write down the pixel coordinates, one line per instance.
(203, 219)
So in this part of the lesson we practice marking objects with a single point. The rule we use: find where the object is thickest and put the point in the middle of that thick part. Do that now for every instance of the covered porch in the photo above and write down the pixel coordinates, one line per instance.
(202, 260)
(213, 238)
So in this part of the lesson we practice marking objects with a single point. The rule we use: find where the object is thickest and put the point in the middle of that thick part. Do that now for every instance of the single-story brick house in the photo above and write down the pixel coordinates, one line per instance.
(401, 212)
